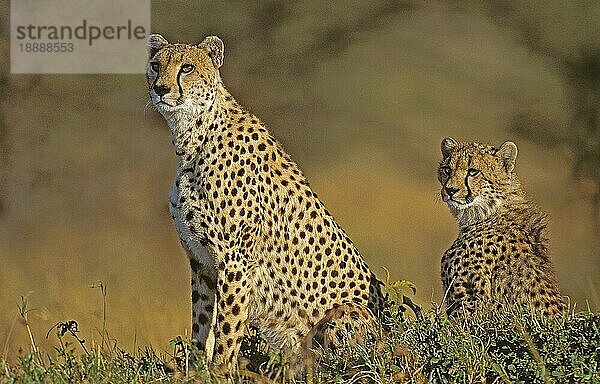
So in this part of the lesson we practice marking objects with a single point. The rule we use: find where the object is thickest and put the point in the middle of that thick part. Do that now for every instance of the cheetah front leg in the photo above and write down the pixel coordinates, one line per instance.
(203, 301)
(203, 298)
(233, 297)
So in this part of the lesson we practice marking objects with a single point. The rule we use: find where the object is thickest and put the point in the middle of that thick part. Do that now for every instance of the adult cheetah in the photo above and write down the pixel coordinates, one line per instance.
(501, 254)
(263, 249)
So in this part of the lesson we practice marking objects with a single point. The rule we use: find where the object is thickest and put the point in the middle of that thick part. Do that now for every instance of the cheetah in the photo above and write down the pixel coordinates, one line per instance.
(500, 255)
(264, 251)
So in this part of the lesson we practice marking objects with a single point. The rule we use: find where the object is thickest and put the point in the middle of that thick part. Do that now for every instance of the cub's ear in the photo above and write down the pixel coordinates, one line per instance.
(447, 145)
(215, 48)
(154, 43)
(508, 155)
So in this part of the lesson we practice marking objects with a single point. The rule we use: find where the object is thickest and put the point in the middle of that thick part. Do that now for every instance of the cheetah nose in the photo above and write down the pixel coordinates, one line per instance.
(450, 191)
(161, 90)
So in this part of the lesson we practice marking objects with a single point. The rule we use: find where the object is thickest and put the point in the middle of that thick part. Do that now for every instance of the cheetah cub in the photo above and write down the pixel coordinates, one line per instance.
(500, 255)
(263, 250)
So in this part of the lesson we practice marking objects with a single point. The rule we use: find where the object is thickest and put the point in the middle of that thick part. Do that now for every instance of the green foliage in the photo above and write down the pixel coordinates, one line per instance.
(69, 367)
(513, 346)
(395, 291)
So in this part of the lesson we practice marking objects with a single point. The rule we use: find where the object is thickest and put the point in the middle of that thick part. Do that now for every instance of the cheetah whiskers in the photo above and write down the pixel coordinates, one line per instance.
(149, 105)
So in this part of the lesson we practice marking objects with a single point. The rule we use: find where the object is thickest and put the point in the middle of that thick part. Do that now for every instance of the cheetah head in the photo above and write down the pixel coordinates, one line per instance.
(183, 78)
(476, 179)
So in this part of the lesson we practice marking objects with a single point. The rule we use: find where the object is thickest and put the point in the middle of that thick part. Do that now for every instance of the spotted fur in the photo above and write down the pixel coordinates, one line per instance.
(263, 249)
(501, 254)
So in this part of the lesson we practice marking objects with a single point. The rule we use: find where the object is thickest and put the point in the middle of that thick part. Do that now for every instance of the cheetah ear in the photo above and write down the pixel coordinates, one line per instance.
(447, 145)
(508, 154)
(154, 43)
(215, 47)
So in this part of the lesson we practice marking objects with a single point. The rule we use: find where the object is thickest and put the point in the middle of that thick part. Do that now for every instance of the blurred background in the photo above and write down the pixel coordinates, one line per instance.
(360, 92)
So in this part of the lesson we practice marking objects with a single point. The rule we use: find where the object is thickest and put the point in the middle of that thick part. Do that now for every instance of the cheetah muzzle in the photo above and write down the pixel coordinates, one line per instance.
(263, 250)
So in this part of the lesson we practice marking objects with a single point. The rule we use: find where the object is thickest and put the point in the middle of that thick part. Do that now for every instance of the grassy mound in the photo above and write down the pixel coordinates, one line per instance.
(513, 346)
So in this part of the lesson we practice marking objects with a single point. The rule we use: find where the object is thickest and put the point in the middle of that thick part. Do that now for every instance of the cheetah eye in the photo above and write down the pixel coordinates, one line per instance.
(154, 66)
(473, 172)
(445, 171)
(187, 68)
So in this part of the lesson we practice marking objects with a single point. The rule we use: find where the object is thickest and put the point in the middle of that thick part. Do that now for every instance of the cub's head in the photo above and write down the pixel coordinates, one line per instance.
(183, 77)
(476, 179)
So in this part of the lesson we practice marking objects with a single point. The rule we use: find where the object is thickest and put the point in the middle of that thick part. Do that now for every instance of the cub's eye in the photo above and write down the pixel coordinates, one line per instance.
(445, 171)
(473, 172)
(154, 66)
(187, 68)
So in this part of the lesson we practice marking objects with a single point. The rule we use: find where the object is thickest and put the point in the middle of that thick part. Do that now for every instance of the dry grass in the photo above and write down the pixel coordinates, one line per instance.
(90, 171)
(506, 347)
